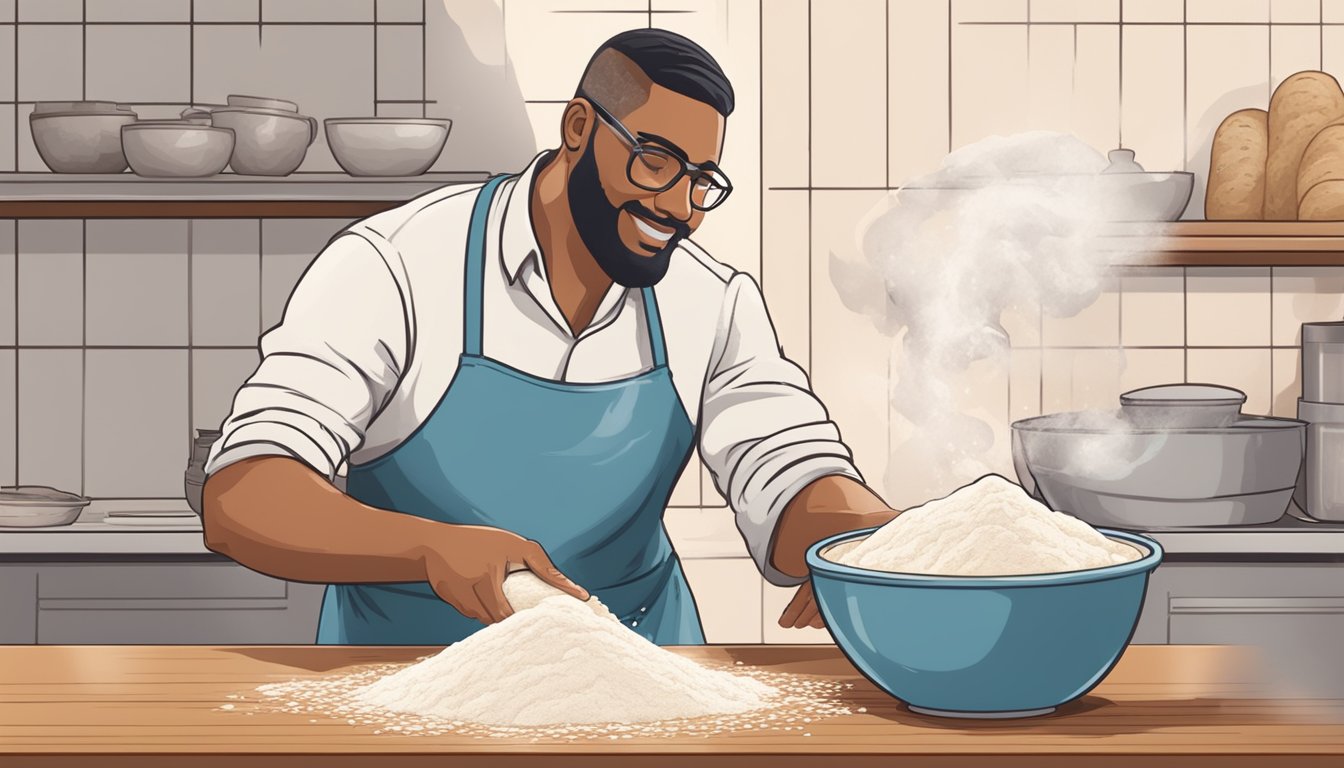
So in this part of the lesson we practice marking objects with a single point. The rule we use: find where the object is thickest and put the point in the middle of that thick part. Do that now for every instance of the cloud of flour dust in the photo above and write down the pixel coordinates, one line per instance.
(1006, 222)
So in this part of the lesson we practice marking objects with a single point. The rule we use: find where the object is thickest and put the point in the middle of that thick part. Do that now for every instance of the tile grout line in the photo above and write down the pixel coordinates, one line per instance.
(949, 80)
(16, 127)
(84, 360)
(1271, 341)
(16, 351)
(261, 283)
(191, 332)
(83, 52)
(374, 28)
(191, 53)
(1120, 79)
(1185, 323)
(424, 54)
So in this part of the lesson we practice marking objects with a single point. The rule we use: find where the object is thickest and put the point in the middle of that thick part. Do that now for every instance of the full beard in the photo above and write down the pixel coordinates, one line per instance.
(596, 221)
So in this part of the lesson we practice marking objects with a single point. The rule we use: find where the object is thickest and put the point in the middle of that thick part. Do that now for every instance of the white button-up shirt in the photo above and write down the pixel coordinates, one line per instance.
(370, 339)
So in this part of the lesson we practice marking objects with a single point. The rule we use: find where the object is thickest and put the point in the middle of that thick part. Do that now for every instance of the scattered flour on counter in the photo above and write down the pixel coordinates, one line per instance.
(559, 662)
(561, 669)
(989, 528)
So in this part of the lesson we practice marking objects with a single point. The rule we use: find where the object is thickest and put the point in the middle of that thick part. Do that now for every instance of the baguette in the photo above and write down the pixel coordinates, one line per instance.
(1323, 202)
(1237, 167)
(1300, 107)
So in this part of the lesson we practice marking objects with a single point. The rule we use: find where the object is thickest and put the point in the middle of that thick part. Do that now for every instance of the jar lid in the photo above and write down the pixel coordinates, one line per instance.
(1323, 333)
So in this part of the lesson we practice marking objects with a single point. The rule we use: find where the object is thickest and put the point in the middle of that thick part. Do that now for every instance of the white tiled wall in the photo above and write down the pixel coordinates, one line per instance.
(132, 330)
(336, 58)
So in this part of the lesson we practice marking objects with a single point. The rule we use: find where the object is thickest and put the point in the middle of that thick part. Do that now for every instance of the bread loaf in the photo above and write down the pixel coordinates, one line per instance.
(1300, 107)
(1237, 167)
(1323, 202)
(1322, 160)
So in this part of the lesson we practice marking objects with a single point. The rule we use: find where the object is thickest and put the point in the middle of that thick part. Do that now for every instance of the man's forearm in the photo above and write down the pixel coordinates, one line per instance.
(277, 516)
(826, 506)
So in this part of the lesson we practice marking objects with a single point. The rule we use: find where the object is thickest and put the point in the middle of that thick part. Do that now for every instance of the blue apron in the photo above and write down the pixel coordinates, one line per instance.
(584, 469)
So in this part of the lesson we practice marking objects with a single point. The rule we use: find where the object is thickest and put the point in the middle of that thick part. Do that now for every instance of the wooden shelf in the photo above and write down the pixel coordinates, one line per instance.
(227, 196)
(1243, 244)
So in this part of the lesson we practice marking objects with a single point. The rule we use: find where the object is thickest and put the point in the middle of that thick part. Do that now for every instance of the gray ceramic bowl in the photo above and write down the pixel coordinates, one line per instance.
(1242, 474)
(176, 149)
(386, 146)
(39, 506)
(1151, 196)
(267, 142)
(80, 137)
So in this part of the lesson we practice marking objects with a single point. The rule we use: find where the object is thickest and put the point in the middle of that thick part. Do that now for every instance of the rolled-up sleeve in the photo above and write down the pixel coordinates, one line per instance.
(327, 369)
(763, 434)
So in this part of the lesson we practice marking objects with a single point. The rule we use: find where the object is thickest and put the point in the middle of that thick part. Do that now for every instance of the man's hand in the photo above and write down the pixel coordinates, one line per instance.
(802, 610)
(825, 507)
(466, 566)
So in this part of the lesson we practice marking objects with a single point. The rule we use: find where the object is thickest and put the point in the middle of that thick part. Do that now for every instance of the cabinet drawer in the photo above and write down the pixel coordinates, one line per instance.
(84, 581)
(254, 622)
(1263, 621)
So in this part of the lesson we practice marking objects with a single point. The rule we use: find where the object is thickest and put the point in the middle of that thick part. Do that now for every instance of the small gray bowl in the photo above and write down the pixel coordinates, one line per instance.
(175, 148)
(39, 506)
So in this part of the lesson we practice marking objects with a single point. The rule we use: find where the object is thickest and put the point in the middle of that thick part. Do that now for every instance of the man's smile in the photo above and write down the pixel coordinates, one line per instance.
(653, 231)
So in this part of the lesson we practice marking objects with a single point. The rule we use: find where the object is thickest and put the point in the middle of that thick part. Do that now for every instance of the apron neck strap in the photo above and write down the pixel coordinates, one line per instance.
(655, 323)
(475, 282)
(475, 277)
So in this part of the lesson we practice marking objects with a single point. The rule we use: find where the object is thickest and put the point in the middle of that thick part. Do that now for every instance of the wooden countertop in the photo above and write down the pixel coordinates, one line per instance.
(114, 706)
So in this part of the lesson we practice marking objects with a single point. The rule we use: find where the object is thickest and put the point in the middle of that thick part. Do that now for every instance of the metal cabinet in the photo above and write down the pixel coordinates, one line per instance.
(194, 602)
(1252, 603)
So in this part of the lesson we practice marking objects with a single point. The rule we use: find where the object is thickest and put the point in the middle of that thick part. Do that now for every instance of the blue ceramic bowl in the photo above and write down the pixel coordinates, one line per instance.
(983, 646)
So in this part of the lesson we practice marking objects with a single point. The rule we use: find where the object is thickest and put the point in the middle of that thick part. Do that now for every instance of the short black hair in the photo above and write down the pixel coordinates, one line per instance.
(674, 62)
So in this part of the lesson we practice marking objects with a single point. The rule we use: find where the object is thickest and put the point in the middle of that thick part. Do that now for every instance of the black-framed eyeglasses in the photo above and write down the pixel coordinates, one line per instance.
(656, 169)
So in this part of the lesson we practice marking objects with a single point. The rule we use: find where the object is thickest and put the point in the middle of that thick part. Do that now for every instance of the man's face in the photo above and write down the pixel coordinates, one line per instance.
(631, 231)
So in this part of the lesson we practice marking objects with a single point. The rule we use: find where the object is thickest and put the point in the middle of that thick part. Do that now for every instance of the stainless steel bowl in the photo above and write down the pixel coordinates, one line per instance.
(1119, 475)
(1182, 406)
(39, 506)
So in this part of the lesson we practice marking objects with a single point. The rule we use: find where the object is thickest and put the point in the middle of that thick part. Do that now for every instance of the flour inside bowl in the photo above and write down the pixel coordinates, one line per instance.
(989, 528)
(558, 660)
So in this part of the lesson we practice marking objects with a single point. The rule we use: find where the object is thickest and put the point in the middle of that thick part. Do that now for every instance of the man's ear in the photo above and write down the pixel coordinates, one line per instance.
(576, 124)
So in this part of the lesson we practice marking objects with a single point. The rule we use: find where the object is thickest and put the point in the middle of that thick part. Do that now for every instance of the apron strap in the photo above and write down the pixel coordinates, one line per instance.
(655, 323)
(475, 277)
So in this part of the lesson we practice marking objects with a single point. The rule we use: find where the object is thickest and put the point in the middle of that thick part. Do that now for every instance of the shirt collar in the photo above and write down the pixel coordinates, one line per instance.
(518, 242)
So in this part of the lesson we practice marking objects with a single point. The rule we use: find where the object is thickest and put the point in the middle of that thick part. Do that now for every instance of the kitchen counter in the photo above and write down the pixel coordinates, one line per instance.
(111, 706)
(1289, 537)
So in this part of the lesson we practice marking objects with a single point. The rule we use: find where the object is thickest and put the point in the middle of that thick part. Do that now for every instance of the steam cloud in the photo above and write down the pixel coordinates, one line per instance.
(1008, 221)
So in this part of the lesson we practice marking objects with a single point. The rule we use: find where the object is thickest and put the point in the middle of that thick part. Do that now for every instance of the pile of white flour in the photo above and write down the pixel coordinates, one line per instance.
(989, 528)
(558, 660)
